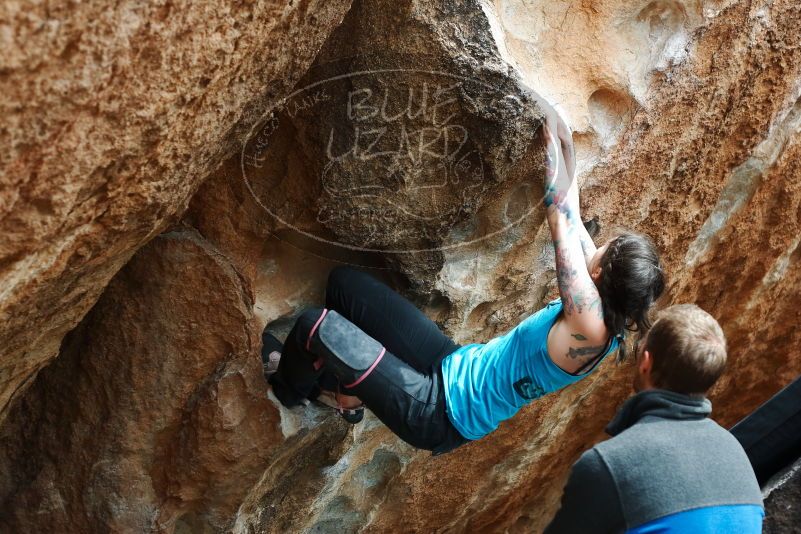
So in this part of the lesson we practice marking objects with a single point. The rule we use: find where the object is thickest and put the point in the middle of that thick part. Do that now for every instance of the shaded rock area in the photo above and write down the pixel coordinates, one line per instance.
(146, 425)
(783, 502)
(112, 117)
(410, 134)
(155, 416)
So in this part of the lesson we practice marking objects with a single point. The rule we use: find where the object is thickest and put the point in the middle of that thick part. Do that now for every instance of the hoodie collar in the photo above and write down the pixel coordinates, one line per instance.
(659, 403)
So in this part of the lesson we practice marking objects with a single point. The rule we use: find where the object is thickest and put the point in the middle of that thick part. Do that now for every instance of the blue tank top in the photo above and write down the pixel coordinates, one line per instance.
(486, 383)
(739, 518)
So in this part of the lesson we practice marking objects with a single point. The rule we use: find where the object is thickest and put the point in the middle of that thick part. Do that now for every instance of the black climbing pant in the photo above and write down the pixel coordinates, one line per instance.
(405, 390)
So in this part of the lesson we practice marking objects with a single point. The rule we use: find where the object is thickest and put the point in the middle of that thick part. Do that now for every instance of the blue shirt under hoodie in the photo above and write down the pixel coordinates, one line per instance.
(486, 383)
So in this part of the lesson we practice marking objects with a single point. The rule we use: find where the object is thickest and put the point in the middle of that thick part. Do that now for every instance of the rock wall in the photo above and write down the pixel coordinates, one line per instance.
(782, 498)
(112, 117)
(145, 425)
(686, 116)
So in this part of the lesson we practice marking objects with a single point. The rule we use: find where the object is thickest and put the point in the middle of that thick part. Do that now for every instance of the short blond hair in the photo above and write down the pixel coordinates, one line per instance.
(688, 348)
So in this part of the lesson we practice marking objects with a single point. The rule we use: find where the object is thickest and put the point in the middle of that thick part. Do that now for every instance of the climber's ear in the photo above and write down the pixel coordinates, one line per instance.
(595, 263)
(596, 273)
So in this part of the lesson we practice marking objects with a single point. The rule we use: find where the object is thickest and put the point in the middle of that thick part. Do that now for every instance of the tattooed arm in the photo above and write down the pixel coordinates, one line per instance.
(587, 245)
(568, 152)
(580, 334)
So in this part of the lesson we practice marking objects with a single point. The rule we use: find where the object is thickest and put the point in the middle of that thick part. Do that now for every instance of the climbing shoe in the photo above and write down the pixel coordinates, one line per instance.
(270, 352)
(331, 400)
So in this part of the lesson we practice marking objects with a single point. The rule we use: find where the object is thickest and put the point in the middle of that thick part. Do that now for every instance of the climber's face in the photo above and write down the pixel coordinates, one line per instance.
(595, 263)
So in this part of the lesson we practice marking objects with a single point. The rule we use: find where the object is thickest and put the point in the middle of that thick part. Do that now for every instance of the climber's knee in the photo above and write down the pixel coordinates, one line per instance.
(346, 350)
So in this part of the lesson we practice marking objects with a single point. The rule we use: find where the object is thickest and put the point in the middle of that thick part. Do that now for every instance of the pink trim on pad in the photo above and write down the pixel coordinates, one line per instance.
(368, 371)
(314, 328)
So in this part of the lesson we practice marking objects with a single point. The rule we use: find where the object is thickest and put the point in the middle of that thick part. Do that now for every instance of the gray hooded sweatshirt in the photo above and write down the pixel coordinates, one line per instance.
(666, 457)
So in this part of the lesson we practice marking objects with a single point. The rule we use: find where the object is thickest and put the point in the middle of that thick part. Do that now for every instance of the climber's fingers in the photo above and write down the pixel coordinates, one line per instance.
(558, 126)
(548, 116)
(566, 140)
(553, 151)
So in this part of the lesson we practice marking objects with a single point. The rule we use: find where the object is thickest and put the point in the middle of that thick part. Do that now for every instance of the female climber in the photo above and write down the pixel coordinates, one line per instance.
(370, 345)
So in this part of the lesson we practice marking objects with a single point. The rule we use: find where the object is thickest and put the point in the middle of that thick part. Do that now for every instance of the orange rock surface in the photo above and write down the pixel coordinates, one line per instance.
(154, 417)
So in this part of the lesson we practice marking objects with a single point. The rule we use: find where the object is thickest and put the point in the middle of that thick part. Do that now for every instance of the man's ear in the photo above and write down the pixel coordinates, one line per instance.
(596, 274)
(646, 364)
